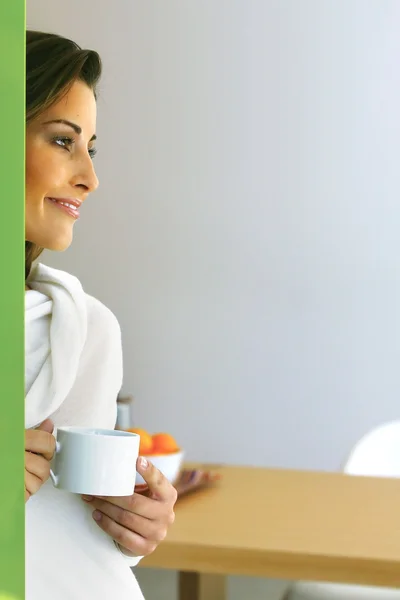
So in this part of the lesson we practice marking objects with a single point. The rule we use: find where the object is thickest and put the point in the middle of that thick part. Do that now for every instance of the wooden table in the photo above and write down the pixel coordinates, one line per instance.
(284, 524)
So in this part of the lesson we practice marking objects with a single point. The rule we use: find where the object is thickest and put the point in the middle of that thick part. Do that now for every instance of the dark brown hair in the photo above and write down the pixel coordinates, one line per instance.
(53, 64)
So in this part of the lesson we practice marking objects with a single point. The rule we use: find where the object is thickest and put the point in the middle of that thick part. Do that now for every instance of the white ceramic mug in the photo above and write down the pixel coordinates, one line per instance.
(97, 462)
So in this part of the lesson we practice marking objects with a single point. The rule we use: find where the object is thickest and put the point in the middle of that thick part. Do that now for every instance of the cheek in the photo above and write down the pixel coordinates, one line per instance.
(43, 173)
(32, 178)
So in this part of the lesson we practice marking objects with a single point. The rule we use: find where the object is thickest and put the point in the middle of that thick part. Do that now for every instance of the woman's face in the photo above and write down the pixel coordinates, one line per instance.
(59, 168)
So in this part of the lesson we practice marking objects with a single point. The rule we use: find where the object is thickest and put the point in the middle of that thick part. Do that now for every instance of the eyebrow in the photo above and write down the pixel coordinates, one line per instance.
(74, 126)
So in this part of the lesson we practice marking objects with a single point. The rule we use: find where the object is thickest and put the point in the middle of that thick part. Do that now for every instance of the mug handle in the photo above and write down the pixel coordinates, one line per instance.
(53, 476)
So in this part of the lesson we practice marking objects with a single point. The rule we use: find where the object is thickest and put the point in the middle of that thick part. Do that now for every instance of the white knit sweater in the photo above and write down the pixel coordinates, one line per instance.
(73, 373)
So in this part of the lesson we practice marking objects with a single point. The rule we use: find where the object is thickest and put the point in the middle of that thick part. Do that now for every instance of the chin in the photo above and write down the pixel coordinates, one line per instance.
(60, 245)
(55, 244)
(51, 235)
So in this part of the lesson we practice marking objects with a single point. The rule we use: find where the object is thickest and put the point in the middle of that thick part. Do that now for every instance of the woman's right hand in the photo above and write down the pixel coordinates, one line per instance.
(40, 445)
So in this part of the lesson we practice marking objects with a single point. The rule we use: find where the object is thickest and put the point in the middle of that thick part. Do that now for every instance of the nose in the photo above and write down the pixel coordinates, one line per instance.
(85, 175)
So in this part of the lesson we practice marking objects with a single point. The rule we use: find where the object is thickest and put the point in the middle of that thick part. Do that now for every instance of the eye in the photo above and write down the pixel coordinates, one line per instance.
(63, 141)
(92, 152)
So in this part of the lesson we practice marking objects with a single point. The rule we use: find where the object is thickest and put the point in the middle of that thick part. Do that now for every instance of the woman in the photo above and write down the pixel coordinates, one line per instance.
(76, 548)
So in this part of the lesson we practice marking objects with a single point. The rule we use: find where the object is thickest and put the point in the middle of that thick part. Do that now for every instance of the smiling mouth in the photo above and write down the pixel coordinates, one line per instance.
(67, 207)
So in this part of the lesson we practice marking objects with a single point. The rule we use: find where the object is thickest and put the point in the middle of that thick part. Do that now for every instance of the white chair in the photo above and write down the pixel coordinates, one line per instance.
(377, 454)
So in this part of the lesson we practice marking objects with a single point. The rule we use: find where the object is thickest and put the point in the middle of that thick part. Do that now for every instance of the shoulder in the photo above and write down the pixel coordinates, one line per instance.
(101, 319)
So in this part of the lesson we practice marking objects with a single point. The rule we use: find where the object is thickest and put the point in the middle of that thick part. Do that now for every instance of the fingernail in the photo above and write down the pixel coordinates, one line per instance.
(97, 515)
(87, 498)
(143, 462)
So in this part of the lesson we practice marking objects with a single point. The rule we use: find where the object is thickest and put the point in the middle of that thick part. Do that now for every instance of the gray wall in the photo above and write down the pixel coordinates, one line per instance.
(246, 230)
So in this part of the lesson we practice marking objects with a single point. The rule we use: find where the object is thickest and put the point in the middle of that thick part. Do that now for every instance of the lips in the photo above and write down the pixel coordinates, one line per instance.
(68, 205)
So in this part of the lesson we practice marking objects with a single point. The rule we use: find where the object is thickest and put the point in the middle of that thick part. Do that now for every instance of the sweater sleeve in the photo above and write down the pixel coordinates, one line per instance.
(132, 561)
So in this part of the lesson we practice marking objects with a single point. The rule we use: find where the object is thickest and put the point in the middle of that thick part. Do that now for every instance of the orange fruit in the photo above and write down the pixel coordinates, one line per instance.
(146, 441)
(164, 443)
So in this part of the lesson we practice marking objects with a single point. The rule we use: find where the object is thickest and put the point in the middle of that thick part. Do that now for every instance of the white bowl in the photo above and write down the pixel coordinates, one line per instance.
(168, 464)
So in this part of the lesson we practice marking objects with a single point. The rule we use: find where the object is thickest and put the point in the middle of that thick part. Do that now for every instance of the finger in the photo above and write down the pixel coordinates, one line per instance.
(150, 529)
(37, 465)
(32, 483)
(47, 425)
(141, 488)
(137, 504)
(159, 486)
(130, 540)
(40, 442)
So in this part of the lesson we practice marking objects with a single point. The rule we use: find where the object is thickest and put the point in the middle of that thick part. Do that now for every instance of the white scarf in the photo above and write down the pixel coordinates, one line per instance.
(55, 335)
(73, 371)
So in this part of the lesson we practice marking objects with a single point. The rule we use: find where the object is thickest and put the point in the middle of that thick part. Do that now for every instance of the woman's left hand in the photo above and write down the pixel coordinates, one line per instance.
(138, 523)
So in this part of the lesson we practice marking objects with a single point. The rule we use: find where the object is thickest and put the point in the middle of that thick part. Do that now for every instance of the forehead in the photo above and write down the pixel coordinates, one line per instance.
(78, 106)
